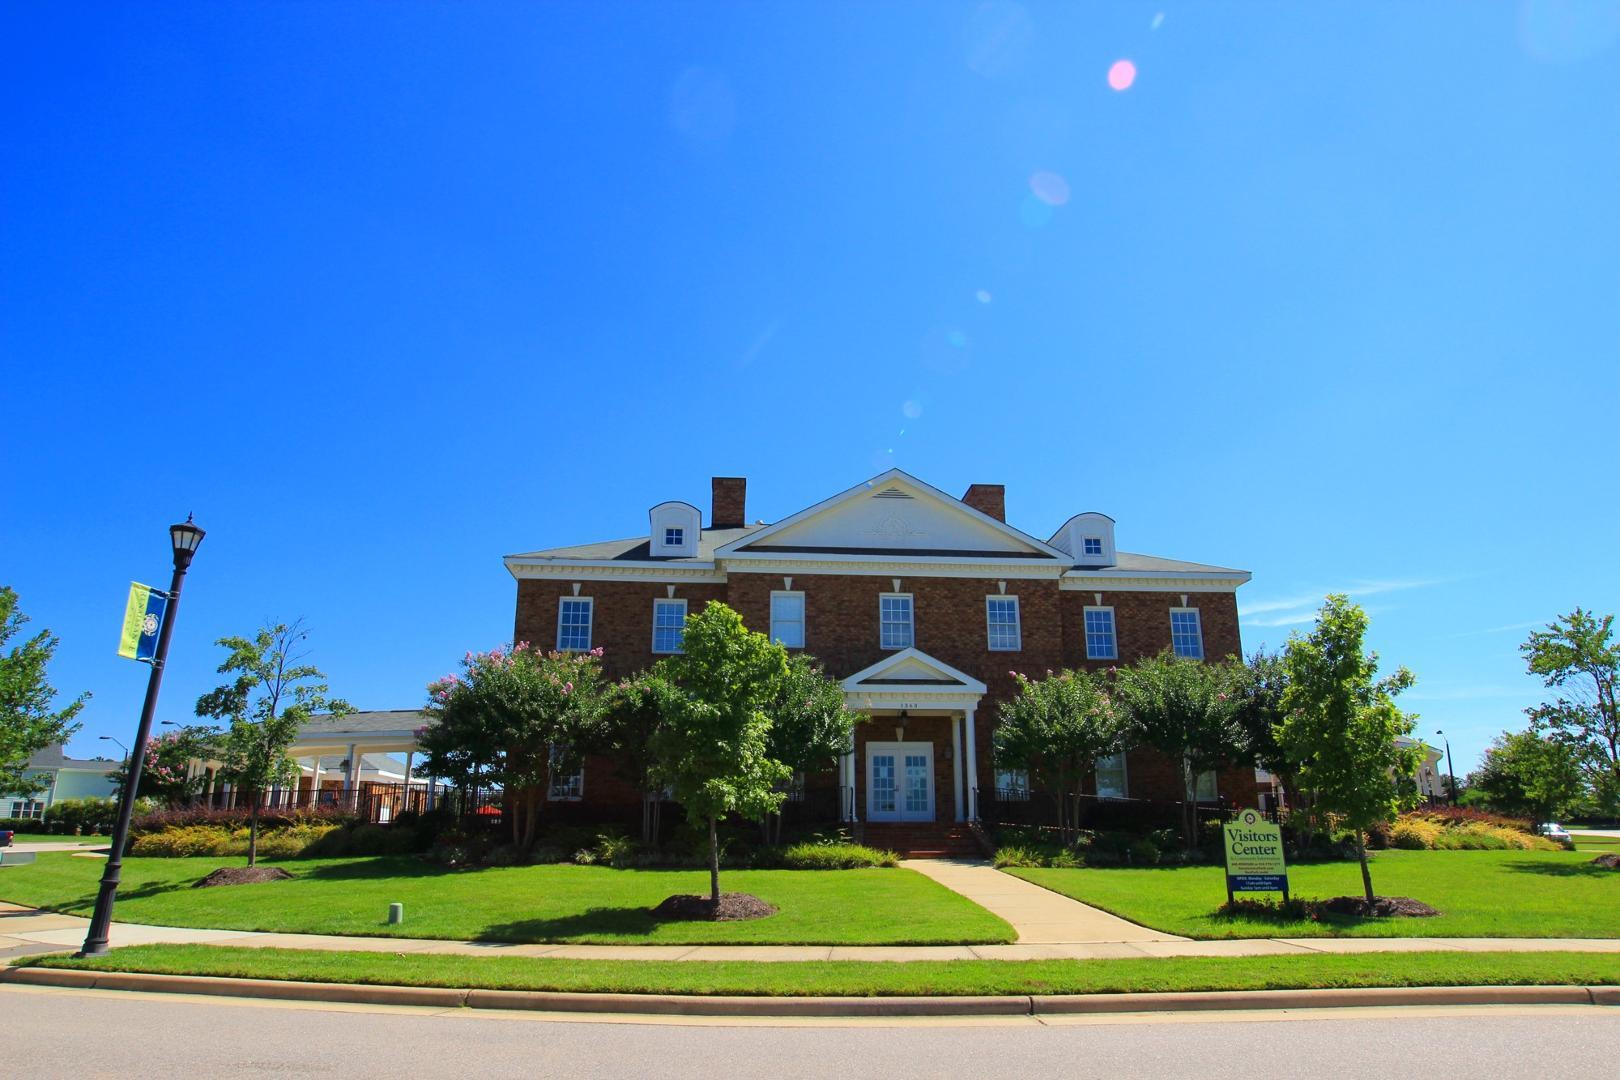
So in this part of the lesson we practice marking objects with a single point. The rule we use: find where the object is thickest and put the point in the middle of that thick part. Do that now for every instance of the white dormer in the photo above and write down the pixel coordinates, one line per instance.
(1088, 538)
(675, 529)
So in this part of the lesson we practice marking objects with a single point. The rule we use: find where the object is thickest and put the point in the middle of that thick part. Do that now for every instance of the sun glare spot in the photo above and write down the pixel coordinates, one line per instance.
(1122, 75)
(982, 296)
(911, 409)
(1050, 188)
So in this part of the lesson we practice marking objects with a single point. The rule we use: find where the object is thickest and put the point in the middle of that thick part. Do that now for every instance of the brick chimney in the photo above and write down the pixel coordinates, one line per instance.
(988, 499)
(729, 509)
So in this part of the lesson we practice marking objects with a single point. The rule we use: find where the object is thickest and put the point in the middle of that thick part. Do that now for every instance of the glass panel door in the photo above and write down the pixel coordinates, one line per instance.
(883, 787)
(917, 801)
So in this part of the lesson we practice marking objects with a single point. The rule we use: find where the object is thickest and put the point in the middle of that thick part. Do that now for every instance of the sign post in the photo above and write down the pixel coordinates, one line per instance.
(1254, 856)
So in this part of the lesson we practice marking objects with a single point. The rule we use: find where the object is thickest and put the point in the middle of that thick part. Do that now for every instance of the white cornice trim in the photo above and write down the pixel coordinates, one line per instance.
(887, 566)
(1150, 581)
(616, 570)
(968, 683)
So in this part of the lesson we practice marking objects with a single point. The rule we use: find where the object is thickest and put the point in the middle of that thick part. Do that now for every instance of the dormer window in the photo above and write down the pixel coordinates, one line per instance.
(1093, 545)
(677, 537)
(673, 532)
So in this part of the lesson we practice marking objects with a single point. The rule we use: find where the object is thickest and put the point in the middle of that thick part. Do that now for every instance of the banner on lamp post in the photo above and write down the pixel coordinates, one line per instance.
(143, 617)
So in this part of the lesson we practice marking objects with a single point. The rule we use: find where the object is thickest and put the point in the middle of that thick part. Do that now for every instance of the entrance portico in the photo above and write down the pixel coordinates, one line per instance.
(915, 759)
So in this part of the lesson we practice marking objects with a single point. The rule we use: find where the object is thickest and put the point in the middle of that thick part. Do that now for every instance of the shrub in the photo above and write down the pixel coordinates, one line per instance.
(1453, 816)
(81, 816)
(1142, 852)
(1414, 834)
(1014, 855)
(238, 816)
(834, 857)
(186, 841)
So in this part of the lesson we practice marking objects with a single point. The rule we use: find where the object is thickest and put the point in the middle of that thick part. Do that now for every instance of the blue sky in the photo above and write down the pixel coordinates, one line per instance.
(383, 292)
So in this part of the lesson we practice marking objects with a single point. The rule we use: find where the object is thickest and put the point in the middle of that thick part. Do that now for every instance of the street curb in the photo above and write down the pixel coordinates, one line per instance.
(703, 1005)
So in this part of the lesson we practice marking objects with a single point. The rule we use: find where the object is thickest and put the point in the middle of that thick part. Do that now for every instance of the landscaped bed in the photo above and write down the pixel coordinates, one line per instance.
(1478, 894)
(859, 978)
(576, 904)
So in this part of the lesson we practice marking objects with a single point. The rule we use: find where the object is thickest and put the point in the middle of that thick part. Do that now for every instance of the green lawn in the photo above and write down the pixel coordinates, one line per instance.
(1479, 894)
(43, 838)
(580, 904)
(848, 977)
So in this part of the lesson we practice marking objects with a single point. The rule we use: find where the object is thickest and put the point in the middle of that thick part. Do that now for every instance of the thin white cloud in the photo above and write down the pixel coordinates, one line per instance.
(1286, 618)
(1313, 600)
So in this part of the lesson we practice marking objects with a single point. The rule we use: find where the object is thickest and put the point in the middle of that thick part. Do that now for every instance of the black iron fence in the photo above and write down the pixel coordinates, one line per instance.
(1103, 813)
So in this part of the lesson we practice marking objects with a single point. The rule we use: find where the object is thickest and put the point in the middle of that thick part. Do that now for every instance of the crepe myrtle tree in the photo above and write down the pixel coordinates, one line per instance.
(166, 774)
(1341, 724)
(1187, 710)
(514, 717)
(1578, 656)
(1057, 728)
(30, 720)
(713, 746)
(631, 719)
(811, 725)
(272, 696)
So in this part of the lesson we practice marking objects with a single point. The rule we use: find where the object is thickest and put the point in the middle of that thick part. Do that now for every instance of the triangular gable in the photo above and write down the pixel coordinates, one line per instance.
(912, 668)
(893, 513)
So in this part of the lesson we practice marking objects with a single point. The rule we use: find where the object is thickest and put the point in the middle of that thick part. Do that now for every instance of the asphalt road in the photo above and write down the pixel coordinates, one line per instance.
(47, 1033)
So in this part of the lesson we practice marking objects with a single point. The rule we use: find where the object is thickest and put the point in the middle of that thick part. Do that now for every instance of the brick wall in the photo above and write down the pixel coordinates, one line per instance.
(621, 616)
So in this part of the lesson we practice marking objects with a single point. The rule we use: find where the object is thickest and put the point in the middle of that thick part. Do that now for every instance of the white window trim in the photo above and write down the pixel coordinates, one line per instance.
(1085, 633)
(590, 623)
(1085, 541)
(667, 600)
(804, 617)
(1124, 776)
(911, 606)
(680, 537)
(1018, 623)
(1202, 652)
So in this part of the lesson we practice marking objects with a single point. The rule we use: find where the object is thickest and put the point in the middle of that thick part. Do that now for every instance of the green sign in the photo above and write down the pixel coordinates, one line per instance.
(143, 617)
(1254, 855)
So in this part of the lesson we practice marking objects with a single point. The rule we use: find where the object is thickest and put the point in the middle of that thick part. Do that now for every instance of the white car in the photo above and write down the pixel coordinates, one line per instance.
(1554, 831)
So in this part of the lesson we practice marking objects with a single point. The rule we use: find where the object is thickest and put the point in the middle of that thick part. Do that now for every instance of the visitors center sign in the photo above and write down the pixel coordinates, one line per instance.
(1254, 856)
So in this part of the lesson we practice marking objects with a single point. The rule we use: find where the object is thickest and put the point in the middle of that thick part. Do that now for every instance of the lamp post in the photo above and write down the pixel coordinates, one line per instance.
(184, 539)
(121, 746)
(1449, 770)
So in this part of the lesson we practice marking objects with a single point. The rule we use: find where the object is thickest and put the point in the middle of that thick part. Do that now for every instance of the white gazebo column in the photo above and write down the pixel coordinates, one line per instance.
(405, 800)
(315, 782)
(351, 779)
(957, 765)
(972, 766)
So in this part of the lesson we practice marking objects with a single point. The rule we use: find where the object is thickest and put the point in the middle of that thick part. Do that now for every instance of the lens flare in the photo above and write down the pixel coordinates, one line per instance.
(982, 296)
(1050, 188)
(1122, 75)
(911, 409)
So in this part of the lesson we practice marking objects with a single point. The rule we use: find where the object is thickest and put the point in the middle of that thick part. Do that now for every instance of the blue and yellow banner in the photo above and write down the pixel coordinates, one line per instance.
(143, 616)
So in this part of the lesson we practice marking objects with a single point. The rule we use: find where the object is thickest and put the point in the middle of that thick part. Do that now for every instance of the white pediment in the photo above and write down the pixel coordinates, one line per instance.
(913, 670)
(894, 512)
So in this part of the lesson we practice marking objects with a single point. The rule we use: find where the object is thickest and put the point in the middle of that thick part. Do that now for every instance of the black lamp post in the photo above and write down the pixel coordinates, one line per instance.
(184, 537)
(121, 746)
(1449, 770)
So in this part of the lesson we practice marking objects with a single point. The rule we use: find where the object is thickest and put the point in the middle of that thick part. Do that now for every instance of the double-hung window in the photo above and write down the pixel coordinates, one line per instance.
(669, 625)
(1186, 636)
(894, 620)
(1012, 785)
(574, 624)
(33, 809)
(1111, 776)
(1100, 641)
(787, 619)
(566, 786)
(1001, 622)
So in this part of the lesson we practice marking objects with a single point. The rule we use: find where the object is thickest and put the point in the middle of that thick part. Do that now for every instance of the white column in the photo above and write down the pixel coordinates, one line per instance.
(956, 765)
(351, 779)
(405, 801)
(315, 783)
(972, 768)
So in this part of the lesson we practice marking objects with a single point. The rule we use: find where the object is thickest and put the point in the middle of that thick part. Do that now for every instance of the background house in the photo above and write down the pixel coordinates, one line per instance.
(68, 778)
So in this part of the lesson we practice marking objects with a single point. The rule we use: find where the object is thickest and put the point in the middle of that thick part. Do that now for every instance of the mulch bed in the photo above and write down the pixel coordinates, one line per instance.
(1383, 907)
(242, 875)
(1608, 859)
(733, 907)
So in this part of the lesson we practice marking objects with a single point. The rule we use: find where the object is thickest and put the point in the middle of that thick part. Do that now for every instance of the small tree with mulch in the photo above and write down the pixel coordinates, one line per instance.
(1057, 728)
(713, 746)
(273, 695)
(1341, 723)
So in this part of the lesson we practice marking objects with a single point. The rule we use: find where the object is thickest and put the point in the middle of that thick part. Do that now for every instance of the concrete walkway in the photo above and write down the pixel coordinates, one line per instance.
(1040, 916)
(25, 930)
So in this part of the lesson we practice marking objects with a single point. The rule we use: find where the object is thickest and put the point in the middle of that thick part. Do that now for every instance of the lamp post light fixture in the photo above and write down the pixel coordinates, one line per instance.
(115, 742)
(183, 539)
(1449, 770)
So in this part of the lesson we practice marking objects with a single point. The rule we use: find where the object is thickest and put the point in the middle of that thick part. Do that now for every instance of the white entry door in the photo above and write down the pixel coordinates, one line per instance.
(899, 781)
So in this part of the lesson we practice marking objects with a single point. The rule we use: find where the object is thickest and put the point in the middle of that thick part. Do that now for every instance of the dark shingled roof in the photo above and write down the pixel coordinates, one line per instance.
(55, 757)
(383, 720)
(639, 548)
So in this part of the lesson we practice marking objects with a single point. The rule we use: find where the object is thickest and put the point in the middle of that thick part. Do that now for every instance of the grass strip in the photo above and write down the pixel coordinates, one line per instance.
(861, 978)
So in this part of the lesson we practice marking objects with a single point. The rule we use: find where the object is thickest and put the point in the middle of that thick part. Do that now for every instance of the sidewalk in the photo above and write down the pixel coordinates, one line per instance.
(25, 930)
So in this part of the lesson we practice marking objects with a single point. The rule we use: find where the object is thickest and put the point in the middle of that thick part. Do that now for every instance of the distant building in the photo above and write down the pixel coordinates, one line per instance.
(68, 778)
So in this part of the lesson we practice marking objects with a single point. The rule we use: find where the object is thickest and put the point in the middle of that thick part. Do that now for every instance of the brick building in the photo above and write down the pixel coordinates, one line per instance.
(921, 604)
